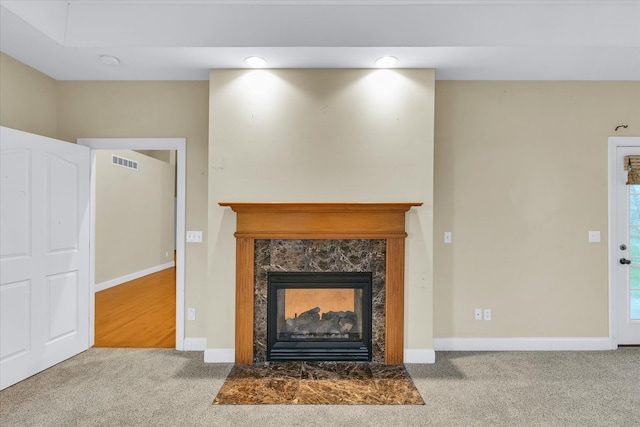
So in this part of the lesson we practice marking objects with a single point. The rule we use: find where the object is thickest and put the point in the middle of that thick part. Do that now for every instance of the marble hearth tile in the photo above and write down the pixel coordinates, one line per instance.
(275, 369)
(250, 391)
(267, 370)
(389, 372)
(281, 369)
(358, 392)
(318, 383)
(336, 370)
(397, 392)
(337, 392)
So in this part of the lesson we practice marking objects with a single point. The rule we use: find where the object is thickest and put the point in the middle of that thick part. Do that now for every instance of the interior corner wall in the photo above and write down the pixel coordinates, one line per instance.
(150, 109)
(134, 215)
(520, 178)
(28, 100)
(321, 135)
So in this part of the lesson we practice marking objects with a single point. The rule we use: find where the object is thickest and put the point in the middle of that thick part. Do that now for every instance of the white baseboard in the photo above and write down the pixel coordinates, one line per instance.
(123, 279)
(419, 355)
(195, 344)
(227, 355)
(219, 355)
(523, 344)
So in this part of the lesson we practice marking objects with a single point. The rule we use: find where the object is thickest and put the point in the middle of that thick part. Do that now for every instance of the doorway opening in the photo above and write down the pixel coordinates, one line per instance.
(179, 145)
(135, 245)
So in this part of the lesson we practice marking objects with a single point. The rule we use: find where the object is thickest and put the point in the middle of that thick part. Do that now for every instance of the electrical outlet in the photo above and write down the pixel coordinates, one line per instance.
(487, 314)
(594, 237)
(191, 313)
(478, 313)
(194, 236)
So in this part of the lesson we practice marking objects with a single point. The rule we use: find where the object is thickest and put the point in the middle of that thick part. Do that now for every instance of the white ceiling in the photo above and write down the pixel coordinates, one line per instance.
(462, 40)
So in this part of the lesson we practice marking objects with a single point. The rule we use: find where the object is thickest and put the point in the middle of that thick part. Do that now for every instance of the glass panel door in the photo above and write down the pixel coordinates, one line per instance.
(626, 248)
(633, 289)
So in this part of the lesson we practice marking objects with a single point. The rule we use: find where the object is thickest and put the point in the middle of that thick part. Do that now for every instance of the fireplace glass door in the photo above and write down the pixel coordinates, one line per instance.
(319, 316)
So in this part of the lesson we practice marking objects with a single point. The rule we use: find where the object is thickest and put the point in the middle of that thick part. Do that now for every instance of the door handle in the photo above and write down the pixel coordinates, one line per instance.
(624, 261)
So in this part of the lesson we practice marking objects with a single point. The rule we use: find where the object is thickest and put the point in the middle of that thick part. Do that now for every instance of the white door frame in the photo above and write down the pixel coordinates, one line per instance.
(614, 143)
(178, 144)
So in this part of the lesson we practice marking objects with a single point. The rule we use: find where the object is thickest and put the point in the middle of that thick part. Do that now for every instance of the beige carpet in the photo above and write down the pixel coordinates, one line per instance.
(149, 387)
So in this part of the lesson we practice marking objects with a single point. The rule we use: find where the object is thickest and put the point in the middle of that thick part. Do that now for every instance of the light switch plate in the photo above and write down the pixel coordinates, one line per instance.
(194, 236)
(447, 237)
(594, 237)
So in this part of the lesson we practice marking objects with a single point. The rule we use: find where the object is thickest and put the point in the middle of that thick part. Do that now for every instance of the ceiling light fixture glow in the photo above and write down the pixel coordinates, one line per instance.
(386, 61)
(255, 61)
(109, 60)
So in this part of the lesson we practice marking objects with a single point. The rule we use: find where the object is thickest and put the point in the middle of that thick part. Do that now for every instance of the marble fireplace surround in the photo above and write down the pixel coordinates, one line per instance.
(315, 256)
(320, 221)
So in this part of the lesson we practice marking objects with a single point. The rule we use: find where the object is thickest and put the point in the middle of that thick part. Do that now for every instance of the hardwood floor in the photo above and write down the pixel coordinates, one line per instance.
(140, 313)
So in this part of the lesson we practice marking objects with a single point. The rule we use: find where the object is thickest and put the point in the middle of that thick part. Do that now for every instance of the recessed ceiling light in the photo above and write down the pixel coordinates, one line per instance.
(109, 60)
(255, 61)
(386, 61)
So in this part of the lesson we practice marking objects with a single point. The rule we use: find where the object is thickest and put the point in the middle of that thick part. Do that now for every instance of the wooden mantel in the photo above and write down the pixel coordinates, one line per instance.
(321, 221)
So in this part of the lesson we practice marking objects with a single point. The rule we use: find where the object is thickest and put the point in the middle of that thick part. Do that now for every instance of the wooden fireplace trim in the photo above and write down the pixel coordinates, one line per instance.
(320, 221)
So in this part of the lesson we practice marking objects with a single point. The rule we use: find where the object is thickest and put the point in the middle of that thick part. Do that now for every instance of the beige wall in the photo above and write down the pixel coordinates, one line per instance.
(520, 178)
(134, 215)
(28, 98)
(35, 103)
(320, 136)
(145, 110)
(167, 156)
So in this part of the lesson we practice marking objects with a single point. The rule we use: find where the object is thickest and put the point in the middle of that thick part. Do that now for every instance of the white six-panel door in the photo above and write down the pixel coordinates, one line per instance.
(44, 253)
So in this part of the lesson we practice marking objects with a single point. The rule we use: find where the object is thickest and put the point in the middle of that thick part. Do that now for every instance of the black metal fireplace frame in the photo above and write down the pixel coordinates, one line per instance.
(284, 350)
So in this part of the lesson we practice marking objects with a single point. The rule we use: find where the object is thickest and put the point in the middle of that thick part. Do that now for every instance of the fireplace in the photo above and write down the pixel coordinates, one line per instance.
(319, 316)
(373, 222)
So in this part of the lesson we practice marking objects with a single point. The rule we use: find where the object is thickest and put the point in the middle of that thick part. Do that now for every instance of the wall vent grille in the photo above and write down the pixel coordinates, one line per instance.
(126, 163)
